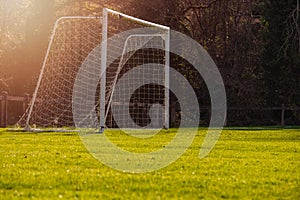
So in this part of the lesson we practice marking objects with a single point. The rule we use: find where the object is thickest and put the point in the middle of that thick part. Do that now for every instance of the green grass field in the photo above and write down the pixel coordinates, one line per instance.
(245, 164)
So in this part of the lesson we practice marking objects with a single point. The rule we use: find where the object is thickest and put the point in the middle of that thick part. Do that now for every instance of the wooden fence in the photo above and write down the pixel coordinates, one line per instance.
(5, 100)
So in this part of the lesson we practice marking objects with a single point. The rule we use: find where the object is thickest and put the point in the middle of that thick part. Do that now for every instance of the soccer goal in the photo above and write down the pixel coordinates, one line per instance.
(79, 83)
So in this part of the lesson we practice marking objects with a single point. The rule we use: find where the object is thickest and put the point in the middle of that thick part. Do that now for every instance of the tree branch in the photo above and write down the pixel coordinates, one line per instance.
(292, 30)
(190, 7)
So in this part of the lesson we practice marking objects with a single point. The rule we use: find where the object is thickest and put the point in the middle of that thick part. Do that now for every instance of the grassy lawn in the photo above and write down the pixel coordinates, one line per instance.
(245, 164)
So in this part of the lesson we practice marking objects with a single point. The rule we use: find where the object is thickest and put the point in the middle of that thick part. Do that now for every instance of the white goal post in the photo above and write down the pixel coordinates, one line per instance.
(81, 60)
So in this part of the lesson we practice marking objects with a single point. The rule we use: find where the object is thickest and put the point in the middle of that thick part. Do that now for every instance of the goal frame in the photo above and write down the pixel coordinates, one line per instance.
(104, 21)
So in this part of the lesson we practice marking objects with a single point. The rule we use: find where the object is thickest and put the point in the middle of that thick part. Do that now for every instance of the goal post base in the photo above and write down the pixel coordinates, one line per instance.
(27, 128)
(101, 130)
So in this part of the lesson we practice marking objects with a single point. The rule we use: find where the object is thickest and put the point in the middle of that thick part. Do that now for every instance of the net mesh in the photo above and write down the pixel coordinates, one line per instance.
(142, 89)
(73, 40)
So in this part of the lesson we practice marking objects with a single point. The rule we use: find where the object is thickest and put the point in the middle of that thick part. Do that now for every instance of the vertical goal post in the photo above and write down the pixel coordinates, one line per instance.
(72, 41)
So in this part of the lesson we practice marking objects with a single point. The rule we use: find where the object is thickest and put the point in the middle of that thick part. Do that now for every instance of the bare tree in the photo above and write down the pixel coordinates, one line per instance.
(292, 30)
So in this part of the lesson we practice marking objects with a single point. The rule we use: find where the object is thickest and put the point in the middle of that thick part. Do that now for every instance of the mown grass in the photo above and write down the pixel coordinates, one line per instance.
(245, 164)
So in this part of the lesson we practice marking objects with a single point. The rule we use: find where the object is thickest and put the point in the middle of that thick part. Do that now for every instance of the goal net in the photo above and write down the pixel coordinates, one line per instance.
(83, 81)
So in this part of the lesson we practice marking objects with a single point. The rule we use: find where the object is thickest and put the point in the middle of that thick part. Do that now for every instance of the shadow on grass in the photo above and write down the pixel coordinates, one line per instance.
(41, 131)
(2, 130)
(261, 128)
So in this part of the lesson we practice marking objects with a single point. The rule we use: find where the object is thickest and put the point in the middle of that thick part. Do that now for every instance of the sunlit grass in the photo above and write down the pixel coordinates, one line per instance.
(251, 164)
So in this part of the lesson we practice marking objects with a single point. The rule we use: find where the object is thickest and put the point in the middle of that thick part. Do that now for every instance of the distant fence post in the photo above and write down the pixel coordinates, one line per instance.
(282, 115)
(4, 108)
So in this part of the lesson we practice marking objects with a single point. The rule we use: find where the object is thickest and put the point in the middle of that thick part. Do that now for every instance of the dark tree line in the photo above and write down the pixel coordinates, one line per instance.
(255, 44)
(281, 55)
